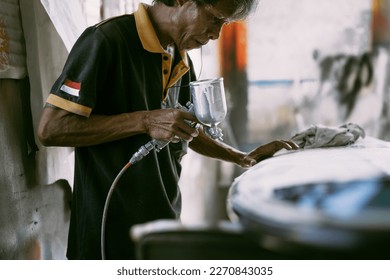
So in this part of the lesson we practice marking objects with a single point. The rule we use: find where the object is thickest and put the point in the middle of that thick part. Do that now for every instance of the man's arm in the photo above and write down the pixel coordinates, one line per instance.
(59, 127)
(206, 146)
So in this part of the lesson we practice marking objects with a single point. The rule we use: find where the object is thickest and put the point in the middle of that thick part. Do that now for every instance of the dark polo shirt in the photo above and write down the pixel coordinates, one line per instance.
(115, 67)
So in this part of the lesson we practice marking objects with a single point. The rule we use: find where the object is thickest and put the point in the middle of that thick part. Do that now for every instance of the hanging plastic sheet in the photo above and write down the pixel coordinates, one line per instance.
(68, 19)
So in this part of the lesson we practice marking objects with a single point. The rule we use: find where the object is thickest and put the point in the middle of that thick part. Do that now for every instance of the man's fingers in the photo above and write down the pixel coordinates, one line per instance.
(186, 132)
(290, 145)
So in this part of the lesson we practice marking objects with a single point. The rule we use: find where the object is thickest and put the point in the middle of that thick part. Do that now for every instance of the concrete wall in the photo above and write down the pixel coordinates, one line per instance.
(33, 218)
(34, 190)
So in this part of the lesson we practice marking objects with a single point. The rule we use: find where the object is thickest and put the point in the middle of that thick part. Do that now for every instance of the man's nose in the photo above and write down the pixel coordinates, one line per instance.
(215, 31)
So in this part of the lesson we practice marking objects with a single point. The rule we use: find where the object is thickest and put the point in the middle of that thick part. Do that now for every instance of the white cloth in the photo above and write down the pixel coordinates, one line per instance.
(317, 136)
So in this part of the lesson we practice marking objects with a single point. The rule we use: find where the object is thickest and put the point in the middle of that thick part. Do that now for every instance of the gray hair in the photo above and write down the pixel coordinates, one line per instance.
(242, 7)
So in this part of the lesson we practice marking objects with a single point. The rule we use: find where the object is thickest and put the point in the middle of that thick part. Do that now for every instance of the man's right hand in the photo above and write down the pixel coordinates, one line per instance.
(166, 124)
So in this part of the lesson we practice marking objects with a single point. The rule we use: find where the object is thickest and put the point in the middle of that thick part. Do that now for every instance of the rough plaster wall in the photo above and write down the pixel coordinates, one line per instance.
(33, 218)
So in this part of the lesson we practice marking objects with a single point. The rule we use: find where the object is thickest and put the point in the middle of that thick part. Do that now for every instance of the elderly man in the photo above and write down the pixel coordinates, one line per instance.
(111, 99)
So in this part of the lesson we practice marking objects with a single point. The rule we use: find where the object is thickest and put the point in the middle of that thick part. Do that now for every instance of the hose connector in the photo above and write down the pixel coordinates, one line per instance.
(141, 153)
(144, 150)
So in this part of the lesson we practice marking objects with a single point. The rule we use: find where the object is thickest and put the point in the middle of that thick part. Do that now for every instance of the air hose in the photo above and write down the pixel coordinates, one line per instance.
(103, 231)
(137, 156)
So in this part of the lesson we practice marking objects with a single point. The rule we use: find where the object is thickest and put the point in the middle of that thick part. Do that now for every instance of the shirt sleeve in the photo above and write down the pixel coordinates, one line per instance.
(84, 72)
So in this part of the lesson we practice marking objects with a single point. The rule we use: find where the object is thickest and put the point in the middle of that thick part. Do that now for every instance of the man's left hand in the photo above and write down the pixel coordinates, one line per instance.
(266, 151)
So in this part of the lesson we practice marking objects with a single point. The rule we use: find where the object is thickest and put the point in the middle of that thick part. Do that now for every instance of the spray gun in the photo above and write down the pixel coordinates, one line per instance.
(209, 107)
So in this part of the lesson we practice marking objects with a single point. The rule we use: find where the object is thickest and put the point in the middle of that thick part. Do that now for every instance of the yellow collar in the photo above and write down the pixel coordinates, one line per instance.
(147, 33)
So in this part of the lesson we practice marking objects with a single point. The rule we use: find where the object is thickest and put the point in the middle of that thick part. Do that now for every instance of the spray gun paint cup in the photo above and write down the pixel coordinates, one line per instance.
(208, 97)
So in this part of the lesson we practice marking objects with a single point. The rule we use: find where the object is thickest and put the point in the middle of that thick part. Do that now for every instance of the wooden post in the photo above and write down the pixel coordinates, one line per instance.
(233, 57)
(380, 22)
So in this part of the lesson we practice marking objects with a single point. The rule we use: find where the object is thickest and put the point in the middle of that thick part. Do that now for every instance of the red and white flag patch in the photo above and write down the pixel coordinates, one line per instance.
(70, 87)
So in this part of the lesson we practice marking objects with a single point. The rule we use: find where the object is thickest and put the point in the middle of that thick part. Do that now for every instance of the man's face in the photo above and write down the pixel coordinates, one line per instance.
(200, 23)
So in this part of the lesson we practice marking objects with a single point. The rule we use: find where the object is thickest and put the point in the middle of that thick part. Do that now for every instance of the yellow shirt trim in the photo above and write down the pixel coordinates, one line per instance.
(69, 105)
